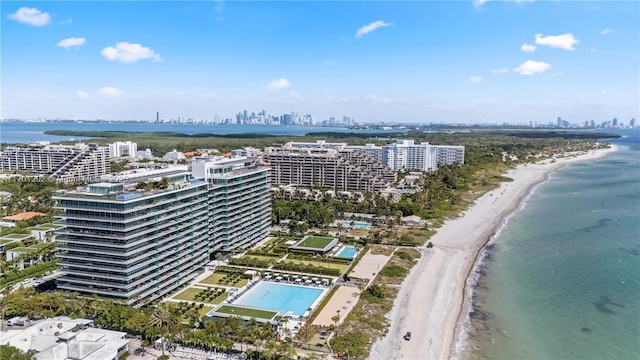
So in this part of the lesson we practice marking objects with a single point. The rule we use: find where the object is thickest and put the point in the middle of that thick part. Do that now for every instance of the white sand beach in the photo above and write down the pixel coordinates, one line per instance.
(430, 302)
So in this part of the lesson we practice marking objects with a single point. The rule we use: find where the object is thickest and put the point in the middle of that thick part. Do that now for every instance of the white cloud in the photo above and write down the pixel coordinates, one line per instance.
(369, 28)
(479, 3)
(329, 62)
(71, 42)
(82, 94)
(110, 91)
(565, 41)
(31, 16)
(531, 67)
(66, 22)
(500, 71)
(475, 79)
(528, 48)
(127, 52)
(281, 83)
(606, 31)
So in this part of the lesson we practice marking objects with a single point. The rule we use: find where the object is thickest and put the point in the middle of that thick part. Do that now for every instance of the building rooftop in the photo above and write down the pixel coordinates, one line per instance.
(63, 338)
(23, 216)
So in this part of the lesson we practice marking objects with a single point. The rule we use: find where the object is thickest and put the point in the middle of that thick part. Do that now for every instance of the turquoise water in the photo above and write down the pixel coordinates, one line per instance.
(562, 280)
(356, 224)
(280, 297)
(347, 252)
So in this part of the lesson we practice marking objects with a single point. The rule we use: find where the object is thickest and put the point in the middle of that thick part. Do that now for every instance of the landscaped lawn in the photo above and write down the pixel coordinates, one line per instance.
(205, 310)
(316, 242)
(2, 242)
(48, 226)
(261, 258)
(241, 311)
(188, 294)
(17, 236)
(323, 264)
(219, 299)
(213, 280)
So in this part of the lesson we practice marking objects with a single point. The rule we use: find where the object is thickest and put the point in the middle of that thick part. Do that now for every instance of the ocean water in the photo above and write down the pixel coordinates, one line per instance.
(561, 280)
(20, 132)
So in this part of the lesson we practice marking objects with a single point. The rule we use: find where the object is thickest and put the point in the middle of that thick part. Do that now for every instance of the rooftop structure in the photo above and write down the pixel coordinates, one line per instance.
(321, 244)
(140, 238)
(23, 216)
(63, 338)
(63, 162)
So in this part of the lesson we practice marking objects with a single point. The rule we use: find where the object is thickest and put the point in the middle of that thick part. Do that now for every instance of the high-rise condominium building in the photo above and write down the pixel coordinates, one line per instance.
(123, 148)
(407, 155)
(63, 162)
(338, 169)
(149, 232)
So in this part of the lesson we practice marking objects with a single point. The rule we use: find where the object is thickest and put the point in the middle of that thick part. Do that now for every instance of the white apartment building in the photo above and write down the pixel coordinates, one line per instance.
(63, 162)
(126, 148)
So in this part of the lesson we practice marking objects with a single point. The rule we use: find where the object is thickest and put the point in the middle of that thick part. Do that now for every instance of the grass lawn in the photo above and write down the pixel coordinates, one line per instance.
(324, 264)
(316, 242)
(261, 258)
(48, 226)
(24, 250)
(17, 236)
(39, 245)
(2, 242)
(188, 294)
(204, 311)
(241, 311)
(213, 280)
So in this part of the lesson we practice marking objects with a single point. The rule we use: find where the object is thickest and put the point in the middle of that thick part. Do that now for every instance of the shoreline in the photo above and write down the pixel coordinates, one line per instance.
(433, 301)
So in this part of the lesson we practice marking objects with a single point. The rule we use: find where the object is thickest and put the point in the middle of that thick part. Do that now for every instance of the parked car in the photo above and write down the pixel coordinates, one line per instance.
(407, 336)
(26, 281)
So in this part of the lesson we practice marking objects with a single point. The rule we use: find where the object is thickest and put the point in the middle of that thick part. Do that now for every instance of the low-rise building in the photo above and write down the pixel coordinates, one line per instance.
(63, 338)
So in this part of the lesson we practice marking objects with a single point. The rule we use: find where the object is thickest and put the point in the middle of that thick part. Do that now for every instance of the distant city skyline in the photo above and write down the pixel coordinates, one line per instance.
(442, 62)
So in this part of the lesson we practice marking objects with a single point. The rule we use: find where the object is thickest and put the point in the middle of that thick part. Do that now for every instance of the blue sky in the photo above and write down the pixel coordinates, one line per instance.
(417, 61)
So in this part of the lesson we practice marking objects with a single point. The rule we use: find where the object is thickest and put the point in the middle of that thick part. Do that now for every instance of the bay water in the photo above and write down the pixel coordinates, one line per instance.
(31, 132)
(561, 280)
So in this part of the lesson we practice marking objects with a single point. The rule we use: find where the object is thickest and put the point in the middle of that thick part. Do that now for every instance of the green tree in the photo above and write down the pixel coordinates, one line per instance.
(12, 353)
(161, 318)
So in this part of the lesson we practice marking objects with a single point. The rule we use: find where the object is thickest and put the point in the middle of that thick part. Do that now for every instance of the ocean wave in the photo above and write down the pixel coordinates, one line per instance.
(476, 321)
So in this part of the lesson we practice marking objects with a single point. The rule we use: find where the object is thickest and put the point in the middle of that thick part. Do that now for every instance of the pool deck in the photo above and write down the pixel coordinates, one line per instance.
(369, 266)
(344, 299)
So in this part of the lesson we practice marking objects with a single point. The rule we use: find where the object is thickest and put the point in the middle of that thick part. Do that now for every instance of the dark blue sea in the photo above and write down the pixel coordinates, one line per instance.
(562, 278)
(23, 132)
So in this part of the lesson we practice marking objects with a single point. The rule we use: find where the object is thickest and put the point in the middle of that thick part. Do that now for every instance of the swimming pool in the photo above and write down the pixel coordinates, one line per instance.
(347, 252)
(356, 224)
(280, 297)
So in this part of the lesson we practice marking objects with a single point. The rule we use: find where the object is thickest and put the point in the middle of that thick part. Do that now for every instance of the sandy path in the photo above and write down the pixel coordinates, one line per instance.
(430, 301)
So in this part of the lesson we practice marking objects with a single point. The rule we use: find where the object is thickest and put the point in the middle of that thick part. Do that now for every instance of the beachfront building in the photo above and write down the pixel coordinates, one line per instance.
(337, 169)
(149, 232)
(123, 148)
(401, 155)
(63, 162)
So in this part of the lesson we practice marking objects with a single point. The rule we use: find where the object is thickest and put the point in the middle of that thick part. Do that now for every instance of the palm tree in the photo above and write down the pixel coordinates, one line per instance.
(335, 319)
(161, 318)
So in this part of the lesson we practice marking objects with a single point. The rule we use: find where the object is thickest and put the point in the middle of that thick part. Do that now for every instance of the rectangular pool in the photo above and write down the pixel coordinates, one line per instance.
(347, 252)
(281, 297)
